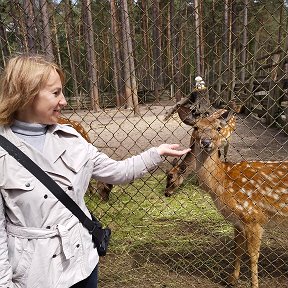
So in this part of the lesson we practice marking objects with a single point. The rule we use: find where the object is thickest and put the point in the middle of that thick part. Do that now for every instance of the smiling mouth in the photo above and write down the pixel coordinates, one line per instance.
(57, 112)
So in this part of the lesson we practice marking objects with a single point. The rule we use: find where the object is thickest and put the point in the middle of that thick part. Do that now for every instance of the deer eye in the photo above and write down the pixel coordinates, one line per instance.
(219, 129)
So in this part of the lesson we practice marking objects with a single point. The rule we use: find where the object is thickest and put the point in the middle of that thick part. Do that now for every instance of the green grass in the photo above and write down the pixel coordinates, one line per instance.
(157, 242)
(162, 242)
(139, 214)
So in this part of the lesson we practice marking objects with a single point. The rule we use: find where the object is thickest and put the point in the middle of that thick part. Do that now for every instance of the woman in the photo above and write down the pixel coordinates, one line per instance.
(31, 100)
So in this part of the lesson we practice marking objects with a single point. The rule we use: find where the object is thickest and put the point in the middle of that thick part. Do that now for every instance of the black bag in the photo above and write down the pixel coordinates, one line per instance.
(100, 236)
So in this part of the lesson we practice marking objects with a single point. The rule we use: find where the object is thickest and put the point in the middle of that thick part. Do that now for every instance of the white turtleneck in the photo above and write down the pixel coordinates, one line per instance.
(32, 133)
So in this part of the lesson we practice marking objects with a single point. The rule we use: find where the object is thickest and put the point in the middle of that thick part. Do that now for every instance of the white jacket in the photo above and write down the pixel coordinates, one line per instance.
(42, 243)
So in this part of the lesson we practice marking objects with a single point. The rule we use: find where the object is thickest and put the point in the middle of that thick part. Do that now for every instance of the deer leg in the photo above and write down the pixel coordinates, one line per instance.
(253, 235)
(239, 242)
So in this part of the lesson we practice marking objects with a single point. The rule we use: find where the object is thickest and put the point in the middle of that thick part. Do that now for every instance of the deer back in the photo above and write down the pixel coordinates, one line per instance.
(77, 126)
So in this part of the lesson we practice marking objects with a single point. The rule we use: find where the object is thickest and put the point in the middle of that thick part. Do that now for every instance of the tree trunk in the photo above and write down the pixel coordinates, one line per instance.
(156, 36)
(47, 39)
(199, 38)
(169, 66)
(91, 59)
(126, 56)
(30, 27)
(16, 14)
(277, 74)
(56, 39)
(244, 45)
(227, 49)
(3, 36)
(175, 53)
(147, 63)
(69, 29)
(130, 37)
(120, 98)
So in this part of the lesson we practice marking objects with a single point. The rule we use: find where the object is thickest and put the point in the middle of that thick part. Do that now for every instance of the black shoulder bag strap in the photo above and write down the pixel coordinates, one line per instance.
(46, 180)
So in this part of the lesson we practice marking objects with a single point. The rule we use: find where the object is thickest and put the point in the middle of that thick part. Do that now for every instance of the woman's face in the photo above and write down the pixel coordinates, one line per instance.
(46, 106)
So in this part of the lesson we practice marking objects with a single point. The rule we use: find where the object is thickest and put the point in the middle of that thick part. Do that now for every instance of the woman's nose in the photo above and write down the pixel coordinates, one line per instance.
(63, 101)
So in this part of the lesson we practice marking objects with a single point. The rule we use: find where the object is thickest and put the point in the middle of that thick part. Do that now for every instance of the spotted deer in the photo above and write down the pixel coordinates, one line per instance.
(175, 176)
(77, 126)
(103, 189)
(189, 109)
(249, 194)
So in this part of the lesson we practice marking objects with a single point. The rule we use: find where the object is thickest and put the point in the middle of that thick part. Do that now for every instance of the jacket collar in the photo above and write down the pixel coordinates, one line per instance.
(54, 133)
(52, 140)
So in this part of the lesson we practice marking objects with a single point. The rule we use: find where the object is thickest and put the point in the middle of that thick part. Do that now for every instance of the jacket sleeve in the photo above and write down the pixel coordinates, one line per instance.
(5, 267)
(111, 171)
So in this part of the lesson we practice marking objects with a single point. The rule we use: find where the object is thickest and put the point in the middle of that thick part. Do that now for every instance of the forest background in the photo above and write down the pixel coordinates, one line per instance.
(126, 63)
(122, 53)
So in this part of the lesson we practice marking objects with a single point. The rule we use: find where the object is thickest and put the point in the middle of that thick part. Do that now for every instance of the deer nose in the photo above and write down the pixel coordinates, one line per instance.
(206, 143)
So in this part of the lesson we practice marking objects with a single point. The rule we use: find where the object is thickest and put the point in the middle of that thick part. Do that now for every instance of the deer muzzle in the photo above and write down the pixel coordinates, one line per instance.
(206, 144)
(173, 182)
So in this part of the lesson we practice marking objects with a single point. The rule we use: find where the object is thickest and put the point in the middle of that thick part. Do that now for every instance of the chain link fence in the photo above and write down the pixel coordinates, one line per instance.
(127, 64)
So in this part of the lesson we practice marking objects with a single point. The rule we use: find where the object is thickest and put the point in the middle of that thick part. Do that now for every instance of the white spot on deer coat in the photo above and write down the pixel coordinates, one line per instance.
(246, 204)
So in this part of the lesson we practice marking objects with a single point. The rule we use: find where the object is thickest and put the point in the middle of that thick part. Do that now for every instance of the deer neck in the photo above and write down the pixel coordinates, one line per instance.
(209, 170)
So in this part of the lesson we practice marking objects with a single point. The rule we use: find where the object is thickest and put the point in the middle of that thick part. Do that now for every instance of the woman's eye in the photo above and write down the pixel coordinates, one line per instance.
(218, 129)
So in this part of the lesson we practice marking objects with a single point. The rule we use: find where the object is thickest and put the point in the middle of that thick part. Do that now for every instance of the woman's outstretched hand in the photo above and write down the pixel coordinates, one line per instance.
(170, 150)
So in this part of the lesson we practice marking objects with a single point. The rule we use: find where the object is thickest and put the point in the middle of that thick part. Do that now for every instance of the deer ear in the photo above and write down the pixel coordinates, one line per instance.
(225, 117)
(186, 115)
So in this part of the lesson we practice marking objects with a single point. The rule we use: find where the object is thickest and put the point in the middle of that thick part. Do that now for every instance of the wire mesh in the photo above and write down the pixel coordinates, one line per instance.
(127, 63)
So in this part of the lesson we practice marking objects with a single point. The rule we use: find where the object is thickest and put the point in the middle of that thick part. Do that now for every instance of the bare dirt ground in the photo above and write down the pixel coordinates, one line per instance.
(121, 134)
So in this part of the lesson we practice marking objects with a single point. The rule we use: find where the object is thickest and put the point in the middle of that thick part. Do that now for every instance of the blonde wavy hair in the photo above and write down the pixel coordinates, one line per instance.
(22, 79)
